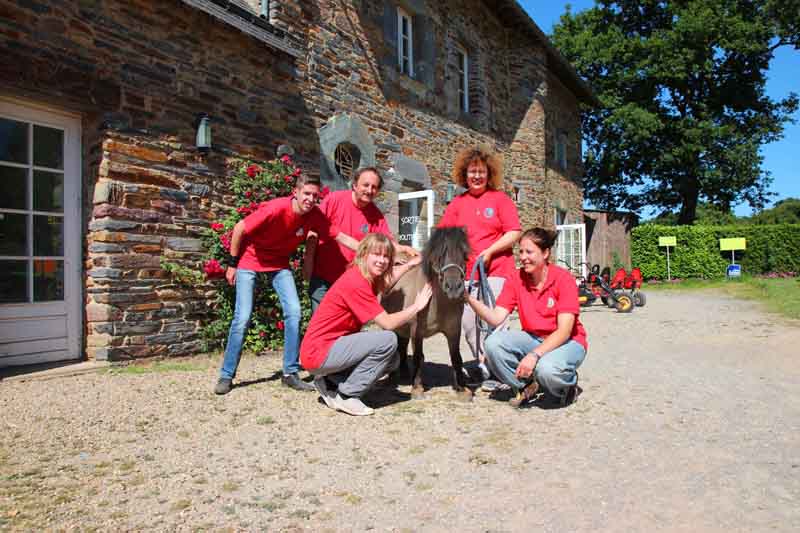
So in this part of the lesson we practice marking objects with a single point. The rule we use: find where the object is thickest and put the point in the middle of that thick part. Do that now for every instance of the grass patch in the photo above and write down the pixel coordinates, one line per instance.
(156, 367)
(230, 486)
(779, 295)
(181, 505)
(265, 420)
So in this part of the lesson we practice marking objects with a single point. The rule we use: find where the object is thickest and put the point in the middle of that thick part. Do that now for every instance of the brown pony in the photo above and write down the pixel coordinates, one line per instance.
(443, 262)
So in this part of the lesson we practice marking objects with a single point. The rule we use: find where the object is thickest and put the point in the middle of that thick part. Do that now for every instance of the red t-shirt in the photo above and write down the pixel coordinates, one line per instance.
(487, 218)
(273, 232)
(349, 304)
(538, 310)
(332, 258)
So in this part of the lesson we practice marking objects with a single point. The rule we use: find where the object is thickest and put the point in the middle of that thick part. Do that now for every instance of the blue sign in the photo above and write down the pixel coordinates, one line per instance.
(734, 271)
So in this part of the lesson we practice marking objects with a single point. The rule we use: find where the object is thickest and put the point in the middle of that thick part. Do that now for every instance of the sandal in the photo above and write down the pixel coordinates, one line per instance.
(525, 395)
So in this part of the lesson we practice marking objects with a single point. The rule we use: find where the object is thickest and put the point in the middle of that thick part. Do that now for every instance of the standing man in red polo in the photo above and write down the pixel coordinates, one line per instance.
(354, 212)
(263, 242)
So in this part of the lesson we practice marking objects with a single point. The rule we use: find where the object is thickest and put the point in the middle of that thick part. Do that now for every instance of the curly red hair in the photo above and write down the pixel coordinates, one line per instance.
(493, 161)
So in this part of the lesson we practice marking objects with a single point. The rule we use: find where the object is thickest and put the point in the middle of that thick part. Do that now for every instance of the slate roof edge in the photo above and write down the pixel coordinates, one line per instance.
(246, 21)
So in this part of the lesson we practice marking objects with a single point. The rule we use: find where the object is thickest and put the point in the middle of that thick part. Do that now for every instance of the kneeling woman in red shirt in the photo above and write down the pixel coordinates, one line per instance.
(334, 349)
(552, 343)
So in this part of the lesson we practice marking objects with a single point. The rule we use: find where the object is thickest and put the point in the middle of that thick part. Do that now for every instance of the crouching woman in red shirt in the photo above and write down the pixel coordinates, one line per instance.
(345, 360)
(552, 343)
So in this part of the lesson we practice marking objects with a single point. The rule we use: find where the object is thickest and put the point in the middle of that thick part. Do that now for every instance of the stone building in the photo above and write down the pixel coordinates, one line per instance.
(100, 177)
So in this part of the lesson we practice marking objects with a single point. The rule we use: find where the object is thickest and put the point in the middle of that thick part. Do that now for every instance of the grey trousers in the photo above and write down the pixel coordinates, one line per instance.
(355, 362)
(468, 319)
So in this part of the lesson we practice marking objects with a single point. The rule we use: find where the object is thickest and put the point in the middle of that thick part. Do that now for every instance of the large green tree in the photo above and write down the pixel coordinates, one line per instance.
(684, 109)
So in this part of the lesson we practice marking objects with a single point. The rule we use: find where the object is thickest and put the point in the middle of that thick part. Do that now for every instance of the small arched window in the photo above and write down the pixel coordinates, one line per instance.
(347, 158)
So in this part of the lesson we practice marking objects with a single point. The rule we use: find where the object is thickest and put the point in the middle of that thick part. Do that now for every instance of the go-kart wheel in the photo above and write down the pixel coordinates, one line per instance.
(639, 299)
(624, 302)
(610, 301)
(605, 301)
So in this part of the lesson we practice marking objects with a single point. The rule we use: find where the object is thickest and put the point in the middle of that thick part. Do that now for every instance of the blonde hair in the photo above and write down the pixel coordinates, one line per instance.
(484, 154)
(375, 242)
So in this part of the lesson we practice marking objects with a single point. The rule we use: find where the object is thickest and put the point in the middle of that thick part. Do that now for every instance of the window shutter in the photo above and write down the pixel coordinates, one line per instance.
(425, 51)
(390, 26)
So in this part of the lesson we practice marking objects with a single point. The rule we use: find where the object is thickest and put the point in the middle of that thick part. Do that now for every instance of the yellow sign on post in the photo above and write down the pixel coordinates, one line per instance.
(729, 245)
(668, 241)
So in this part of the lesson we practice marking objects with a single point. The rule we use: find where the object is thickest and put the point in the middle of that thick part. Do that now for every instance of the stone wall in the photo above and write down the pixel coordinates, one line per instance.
(352, 72)
(139, 73)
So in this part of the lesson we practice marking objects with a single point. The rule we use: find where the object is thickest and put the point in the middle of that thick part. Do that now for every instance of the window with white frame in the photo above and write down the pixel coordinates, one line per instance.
(462, 70)
(405, 47)
(561, 150)
(560, 216)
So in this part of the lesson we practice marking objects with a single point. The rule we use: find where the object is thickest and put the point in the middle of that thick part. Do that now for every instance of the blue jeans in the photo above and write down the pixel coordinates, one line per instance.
(283, 283)
(555, 371)
(317, 289)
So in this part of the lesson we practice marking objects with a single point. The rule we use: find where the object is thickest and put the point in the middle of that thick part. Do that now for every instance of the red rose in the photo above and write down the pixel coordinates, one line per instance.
(213, 269)
(296, 172)
(225, 240)
(286, 159)
(287, 179)
(262, 333)
(279, 325)
(216, 226)
(252, 170)
(248, 194)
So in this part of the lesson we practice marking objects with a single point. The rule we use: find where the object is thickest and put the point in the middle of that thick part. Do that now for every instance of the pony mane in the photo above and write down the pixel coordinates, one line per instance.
(448, 242)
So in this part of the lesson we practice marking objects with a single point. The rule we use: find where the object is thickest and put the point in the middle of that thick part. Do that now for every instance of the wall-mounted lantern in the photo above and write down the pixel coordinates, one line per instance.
(203, 140)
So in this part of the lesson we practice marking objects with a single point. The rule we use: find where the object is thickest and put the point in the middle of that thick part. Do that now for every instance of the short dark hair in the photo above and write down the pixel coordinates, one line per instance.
(543, 238)
(361, 171)
(305, 179)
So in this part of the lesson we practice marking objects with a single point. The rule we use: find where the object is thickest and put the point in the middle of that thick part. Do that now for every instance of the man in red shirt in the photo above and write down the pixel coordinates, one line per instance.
(354, 212)
(263, 242)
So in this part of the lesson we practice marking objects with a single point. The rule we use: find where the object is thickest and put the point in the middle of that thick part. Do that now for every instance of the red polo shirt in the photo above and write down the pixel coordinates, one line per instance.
(273, 232)
(487, 218)
(348, 305)
(538, 310)
(331, 258)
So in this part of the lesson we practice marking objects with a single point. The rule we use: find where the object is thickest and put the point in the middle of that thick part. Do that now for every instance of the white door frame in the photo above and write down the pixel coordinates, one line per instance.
(33, 315)
(430, 207)
(564, 228)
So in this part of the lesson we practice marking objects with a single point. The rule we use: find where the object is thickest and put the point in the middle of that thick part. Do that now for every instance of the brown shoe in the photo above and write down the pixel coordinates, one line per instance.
(527, 394)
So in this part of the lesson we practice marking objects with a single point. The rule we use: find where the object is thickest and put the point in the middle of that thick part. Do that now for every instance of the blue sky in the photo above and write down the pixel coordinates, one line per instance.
(778, 156)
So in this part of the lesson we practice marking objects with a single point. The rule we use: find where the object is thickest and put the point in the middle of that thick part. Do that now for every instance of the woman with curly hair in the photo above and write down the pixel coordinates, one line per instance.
(346, 361)
(492, 223)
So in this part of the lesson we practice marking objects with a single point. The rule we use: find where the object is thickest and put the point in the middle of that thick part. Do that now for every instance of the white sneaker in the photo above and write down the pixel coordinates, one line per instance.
(322, 387)
(351, 406)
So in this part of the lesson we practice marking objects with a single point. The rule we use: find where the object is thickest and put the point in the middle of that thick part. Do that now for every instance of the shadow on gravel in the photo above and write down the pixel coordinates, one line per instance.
(275, 376)
(542, 401)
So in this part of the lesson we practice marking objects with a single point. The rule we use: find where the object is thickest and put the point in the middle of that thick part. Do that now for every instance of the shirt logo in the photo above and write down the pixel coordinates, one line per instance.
(488, 212)
(299, 231)
(551, 303)
(365, 228)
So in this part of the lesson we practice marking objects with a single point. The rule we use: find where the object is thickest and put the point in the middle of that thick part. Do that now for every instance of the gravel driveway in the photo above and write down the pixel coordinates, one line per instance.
(689, 421)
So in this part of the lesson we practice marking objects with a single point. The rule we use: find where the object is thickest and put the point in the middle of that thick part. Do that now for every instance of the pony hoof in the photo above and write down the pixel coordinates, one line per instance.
(465, 395)
(417, 394)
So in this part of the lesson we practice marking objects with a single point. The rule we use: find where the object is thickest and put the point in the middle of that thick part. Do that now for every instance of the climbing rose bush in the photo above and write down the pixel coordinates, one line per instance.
(253, 183)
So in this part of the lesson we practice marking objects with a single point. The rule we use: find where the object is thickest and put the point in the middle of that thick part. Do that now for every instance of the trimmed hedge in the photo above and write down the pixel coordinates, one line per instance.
(770, 248)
